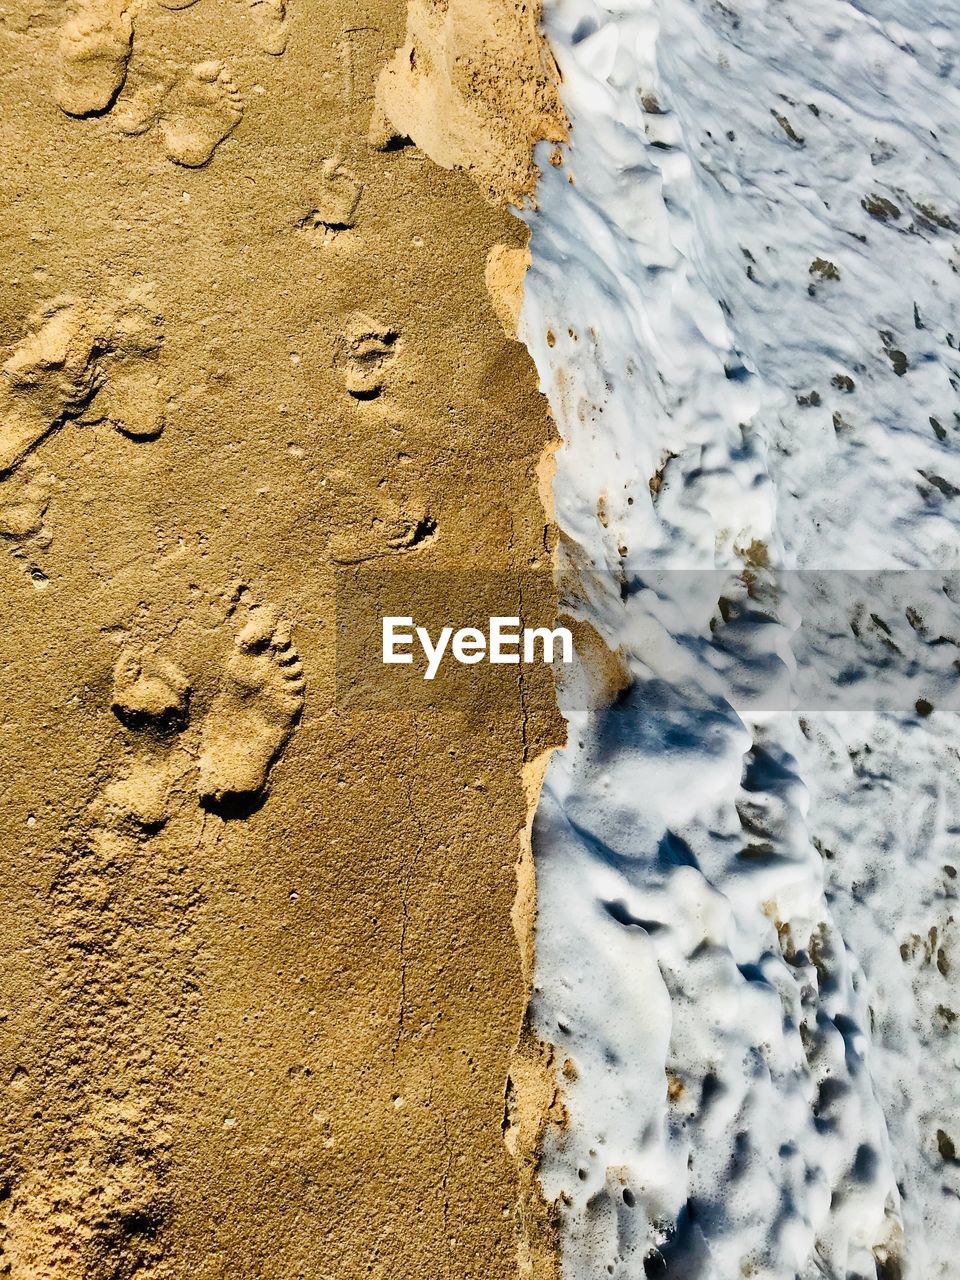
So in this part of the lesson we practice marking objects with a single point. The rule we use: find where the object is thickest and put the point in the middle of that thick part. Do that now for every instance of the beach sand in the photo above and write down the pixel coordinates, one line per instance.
(263, 991)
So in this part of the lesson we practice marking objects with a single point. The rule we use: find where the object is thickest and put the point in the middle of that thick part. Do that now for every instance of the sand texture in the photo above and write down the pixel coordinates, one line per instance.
(475, 86)
(262, 987)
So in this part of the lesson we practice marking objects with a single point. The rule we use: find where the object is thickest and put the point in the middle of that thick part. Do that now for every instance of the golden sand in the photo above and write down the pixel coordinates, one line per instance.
(261, 993)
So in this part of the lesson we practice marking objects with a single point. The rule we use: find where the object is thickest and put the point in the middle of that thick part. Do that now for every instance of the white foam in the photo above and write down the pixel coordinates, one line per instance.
(741, 904)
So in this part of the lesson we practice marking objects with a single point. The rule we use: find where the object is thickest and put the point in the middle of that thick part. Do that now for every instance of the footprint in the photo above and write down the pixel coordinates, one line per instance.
(338, 195)
(141, 803)
(138, 108)
(374, 524)
(270, 24)
(365, 350)
(391, 534)
(200, 111)
(71, 352)
(255, 712)
(23, 504)
(131, 397)
(149, 691)
(95, 44)
(134, 402)
(52, 375)
(24, 498)
(135, 327)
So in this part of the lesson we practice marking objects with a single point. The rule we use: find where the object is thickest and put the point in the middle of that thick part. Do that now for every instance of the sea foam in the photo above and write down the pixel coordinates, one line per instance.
(742, 306)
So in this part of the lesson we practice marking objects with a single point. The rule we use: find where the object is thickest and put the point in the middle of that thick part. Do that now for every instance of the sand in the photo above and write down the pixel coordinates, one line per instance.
(263, 989)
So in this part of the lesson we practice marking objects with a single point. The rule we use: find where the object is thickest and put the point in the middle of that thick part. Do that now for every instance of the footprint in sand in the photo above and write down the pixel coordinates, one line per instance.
(149, 691)
(138, 108)
(389, 534)
(364, 352)
(140, 803)
(252, 717)
(255, 712)
(51, 376)
(95, 43)
(23, 505)
(85, 363)
(132, 397)
(24, 498)
(270, 25)
(202, 109)
(374, 524)
(151, 695)
(334, 208)
(134, 402)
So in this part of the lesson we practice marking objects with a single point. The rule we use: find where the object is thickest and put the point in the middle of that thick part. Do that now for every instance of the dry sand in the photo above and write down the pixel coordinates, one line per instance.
(261, 989)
